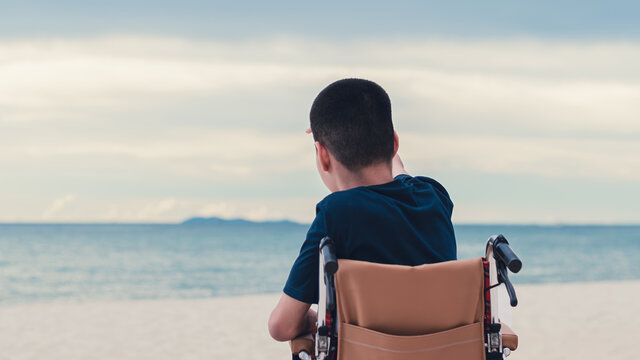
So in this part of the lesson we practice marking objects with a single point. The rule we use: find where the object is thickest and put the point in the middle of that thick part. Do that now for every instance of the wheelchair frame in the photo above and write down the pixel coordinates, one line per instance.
(498, 261)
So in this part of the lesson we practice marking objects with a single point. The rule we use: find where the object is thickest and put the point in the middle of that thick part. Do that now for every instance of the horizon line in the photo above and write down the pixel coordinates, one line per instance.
(184, 222)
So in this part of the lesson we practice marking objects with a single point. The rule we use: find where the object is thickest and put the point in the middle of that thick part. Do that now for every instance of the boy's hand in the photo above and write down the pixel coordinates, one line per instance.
(308, 131)
(311, 320)
(397, 167)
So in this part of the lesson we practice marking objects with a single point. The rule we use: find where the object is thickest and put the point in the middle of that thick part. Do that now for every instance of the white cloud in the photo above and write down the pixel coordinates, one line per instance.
(178, 209)
(219, 209)
(553, 157)
(231, 144)
(245, 154)
(297, 209)
(57, 205)
(252, 210)
(545, 85)
(155, 209)
(201, 154)
(144, 109)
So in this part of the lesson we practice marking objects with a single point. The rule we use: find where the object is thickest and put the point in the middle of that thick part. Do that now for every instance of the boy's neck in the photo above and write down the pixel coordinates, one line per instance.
(370, 175)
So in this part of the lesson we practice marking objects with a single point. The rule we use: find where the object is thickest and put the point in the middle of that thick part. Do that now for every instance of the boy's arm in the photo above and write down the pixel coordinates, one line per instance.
(291, 318)
(397, 167)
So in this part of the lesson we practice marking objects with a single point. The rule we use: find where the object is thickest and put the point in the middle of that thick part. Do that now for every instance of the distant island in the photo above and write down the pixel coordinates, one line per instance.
(216, 221)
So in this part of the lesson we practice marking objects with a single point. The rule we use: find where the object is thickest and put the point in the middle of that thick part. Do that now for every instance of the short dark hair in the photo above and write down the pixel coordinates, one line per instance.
(352, 118)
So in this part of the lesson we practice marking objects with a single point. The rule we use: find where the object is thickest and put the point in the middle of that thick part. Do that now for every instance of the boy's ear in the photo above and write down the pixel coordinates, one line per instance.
(323, 156)
(396, 143)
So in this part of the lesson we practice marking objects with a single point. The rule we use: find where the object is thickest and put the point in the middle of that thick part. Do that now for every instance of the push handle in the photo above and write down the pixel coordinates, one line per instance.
(503, 253)
(506, 260)
(329, 254)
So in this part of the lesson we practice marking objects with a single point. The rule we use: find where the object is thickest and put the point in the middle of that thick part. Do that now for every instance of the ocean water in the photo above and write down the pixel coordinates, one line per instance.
(51, 263)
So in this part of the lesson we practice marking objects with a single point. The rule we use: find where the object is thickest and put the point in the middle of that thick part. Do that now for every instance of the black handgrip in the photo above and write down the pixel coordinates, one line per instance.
(503, 253)
(329, 253)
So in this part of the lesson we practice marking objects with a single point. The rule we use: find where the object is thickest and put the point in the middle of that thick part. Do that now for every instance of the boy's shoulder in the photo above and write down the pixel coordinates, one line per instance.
(402, 185)
(424, 181)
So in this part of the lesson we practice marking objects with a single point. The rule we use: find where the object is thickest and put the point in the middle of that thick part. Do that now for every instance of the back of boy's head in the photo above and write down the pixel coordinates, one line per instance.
(352, 118)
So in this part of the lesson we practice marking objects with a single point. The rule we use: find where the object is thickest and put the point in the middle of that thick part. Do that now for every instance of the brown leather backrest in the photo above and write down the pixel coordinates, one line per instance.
(410, 300)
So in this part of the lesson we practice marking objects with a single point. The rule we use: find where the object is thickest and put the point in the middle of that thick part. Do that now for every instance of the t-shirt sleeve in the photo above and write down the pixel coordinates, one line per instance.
(437, 187)
(302, 283)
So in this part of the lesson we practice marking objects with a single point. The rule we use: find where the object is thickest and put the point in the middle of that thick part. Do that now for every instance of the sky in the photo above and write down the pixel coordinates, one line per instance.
(126, 112)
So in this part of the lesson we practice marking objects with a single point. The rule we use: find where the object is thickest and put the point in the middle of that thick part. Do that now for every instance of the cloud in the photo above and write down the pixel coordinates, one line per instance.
(512, 84)
(57, 205)
(257, 211)
(198, 127)
(550, 157)
(247, 154)
(207, 154)
(178, 209)
(156, 209)
(232, 144)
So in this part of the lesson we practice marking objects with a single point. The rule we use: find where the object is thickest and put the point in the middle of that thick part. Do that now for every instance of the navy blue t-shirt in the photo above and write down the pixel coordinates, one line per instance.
(405, 222)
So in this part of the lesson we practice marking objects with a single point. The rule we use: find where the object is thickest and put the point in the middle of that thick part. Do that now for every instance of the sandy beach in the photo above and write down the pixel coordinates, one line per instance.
(559, 321)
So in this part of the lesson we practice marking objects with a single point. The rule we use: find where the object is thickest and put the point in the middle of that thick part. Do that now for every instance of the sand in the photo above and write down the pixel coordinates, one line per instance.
(561, 321)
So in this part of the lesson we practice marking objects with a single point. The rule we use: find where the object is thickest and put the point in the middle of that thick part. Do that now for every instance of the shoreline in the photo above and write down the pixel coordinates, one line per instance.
(589, 320)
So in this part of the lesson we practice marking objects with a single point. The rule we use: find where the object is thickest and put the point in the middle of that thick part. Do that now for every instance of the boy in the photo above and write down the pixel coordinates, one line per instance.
(376, 211)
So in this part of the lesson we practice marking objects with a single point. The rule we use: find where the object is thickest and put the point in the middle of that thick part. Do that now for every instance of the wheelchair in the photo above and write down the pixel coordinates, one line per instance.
(448, 310)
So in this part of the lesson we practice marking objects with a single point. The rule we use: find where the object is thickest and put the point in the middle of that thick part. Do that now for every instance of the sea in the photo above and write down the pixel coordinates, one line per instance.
(103, 262)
